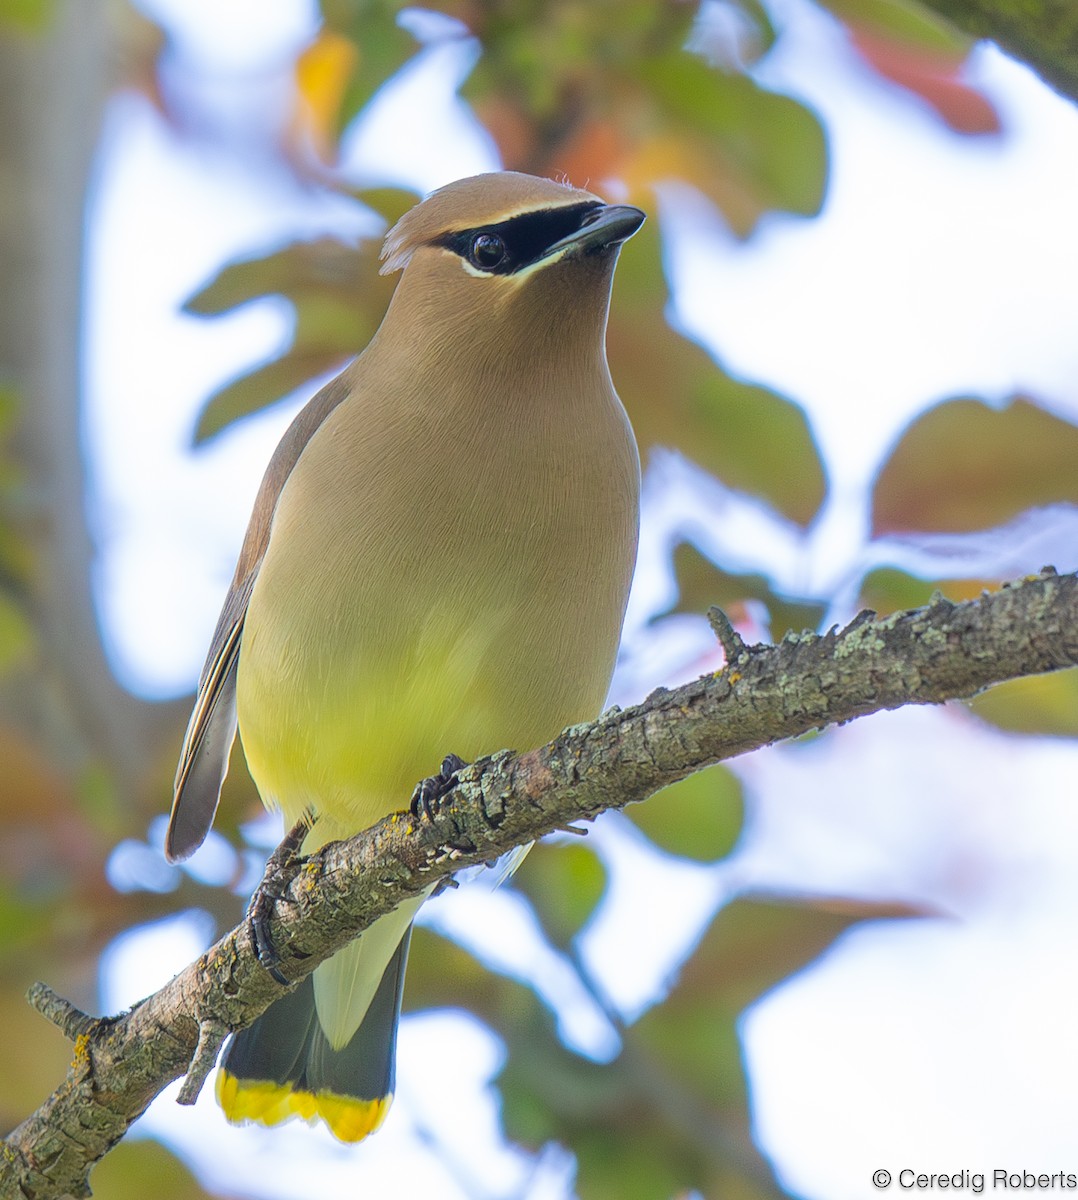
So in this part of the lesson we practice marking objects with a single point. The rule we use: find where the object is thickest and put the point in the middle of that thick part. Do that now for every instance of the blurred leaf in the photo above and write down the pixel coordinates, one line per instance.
(442, 974)
(1045, 705)
(22, 922)
(339, 300)
(554, 62)
(99, 800)
(36, 1057)
(964, 466)
(935, 78)
(752, 945)
(669, 1113)
(888, 589)
(34, 16)
(379, 45)
(749, 150)
(750, 438)
(17, 638)
(608, 90)
(262, 387)
(909, 22)
(701, 584)
(137, 1168)
(699, 818)
(390, 203)
(55, 900)
(17, 557)
(323, 73)
(565, 884)
(324, 266)
(921, 52)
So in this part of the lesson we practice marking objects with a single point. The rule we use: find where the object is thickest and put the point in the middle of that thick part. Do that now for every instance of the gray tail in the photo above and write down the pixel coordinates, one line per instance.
(283, 1064)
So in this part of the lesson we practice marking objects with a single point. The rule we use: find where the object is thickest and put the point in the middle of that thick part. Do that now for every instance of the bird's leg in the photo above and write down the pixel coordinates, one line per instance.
(279, 868)
(430, 791)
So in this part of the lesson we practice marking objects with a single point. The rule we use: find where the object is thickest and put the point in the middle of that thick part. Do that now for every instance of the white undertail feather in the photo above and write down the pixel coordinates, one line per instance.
(345, 984)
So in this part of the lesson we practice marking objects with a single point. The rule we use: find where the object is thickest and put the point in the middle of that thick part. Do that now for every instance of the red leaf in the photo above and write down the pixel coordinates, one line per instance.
(932, 74)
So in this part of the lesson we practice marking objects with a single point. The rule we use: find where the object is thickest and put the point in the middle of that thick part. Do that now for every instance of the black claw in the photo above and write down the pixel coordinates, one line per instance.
(279, 867)
(430, 791)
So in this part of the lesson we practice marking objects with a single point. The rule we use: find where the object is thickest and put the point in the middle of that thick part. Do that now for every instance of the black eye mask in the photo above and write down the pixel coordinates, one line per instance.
(507, 246)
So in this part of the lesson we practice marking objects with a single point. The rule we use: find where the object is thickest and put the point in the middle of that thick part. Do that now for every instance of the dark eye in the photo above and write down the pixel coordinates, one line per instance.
(487, 251)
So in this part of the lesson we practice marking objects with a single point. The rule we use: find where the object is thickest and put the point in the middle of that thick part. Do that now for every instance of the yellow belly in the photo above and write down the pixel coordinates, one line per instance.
(348, 729)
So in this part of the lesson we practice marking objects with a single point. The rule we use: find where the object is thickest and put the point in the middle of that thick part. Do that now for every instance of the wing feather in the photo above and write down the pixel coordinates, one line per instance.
(211, 730)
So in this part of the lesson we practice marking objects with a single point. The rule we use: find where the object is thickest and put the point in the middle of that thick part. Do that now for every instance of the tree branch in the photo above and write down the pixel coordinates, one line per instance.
(765, 694)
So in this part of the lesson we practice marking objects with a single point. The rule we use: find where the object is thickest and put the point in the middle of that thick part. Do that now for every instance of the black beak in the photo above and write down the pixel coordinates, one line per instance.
(602, 227)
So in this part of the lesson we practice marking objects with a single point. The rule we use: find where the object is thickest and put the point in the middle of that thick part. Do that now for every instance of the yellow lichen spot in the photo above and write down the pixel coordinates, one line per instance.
(82, 1050)
(735, 676)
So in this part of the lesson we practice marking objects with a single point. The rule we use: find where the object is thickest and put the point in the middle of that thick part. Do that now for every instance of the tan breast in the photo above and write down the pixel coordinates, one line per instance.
(447, 572)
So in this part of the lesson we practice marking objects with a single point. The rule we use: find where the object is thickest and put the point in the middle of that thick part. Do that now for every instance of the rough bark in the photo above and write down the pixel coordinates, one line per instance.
(930, 655)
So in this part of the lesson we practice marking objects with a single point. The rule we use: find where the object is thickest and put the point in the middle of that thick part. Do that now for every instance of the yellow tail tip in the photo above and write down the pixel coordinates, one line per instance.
(348, 1118)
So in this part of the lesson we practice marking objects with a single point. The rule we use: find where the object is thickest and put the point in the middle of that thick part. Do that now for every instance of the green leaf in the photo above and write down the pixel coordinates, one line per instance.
(565, 884)
(18, 558)
(905, 21)
(638, 1168)
(701, 583)
(1044, 705)
(669, 1114)
(324, 266)
(17, 638)
(390, 203)
(23, 920)
(762, 444)
(384, 47)
(33, 16)
(752, 945)
(339, 299)
(749, 150)
(262, 387)
(964, 466)
(888, 589)
(699, 818)
(138, 1168)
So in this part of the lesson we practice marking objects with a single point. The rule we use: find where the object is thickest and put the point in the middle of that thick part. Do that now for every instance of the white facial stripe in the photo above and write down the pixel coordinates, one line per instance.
(540, 263)
(515, 277)
(469, 268)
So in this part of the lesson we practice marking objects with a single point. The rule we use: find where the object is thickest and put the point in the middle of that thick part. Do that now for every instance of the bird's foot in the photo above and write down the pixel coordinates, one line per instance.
(429, 792)
(280, 867)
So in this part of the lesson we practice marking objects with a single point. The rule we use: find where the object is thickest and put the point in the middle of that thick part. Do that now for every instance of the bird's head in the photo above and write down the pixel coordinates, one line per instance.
(510, 248)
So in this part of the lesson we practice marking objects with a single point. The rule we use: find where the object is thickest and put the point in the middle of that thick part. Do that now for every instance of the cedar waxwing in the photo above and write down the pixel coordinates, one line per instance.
(438, 562)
